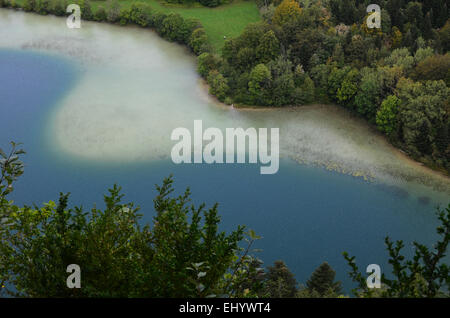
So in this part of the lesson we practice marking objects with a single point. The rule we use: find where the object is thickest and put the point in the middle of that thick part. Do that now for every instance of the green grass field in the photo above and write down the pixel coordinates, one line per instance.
(226, 20)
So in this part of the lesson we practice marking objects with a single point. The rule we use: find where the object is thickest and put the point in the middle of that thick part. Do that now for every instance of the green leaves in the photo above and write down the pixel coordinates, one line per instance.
(386, 118)
(423, 118)
(425, 275)
(322, 281)
(253, 235)
(183, 255)
(190, 251)
(218, 85)
(279, 282)
(11, 168)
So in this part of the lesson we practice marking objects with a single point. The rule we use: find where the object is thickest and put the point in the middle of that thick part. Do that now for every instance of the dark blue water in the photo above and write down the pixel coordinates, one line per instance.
(305, 214)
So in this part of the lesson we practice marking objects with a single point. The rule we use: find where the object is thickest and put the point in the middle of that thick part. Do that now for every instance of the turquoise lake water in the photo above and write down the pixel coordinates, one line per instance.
(305, 214)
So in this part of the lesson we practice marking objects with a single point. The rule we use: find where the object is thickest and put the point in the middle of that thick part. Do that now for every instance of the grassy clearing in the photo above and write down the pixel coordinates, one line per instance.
(226, 20)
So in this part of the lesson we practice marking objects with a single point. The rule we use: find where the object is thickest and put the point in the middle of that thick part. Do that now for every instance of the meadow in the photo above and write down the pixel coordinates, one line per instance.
(227, 20)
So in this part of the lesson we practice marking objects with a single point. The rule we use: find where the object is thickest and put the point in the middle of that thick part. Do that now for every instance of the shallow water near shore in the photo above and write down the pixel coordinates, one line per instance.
(96, 106)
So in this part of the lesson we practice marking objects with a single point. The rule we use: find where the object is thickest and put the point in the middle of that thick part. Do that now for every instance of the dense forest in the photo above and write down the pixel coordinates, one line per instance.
(304, 52)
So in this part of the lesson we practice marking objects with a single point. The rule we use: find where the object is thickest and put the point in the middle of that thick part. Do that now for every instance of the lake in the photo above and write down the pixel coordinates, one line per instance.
(96, 106)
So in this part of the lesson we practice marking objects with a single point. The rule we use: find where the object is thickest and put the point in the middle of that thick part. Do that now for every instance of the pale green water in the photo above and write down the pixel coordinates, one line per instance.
(136, 88)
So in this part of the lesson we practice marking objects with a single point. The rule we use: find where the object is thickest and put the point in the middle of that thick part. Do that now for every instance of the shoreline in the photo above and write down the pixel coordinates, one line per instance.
(329, 108)
(332, 109)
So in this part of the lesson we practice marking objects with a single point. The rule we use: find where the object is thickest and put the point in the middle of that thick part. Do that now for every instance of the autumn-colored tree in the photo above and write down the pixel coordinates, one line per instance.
(286, 11)
(435, 67)
(397, 37)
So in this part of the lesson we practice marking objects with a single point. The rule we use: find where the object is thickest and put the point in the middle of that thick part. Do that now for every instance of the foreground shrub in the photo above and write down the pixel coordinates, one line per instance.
(181, 254)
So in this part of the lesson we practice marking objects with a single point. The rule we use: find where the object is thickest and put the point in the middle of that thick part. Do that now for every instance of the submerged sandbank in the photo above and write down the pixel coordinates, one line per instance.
(135, 88)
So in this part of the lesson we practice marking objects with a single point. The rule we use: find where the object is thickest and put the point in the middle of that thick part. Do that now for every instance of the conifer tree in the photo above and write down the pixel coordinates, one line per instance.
(322, 280)
(280, 282)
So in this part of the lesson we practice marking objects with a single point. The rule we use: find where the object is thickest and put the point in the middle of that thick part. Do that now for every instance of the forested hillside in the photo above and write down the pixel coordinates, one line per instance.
(396, 76)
